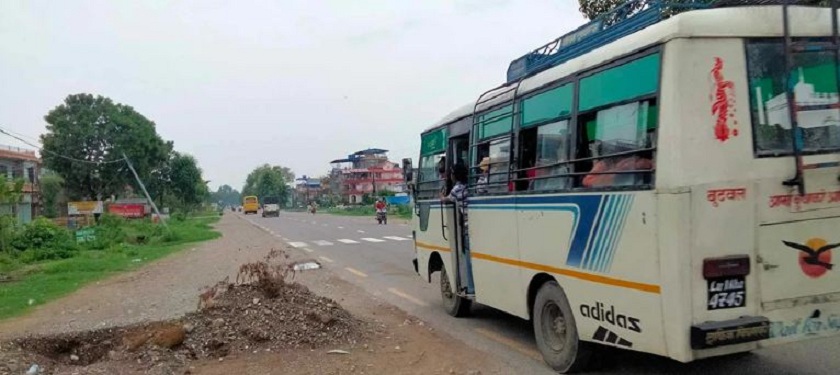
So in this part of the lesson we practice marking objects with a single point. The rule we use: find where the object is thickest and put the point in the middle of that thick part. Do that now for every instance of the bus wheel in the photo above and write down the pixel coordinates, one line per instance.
(454, 304)
(556, 332)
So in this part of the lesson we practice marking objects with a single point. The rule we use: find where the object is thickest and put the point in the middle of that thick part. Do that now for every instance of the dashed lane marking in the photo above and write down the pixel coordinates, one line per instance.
(325, 259)
(360, 231)
(308, 250)
(513, 344)
(356, 272)
(297, 244)
(410, 298)
(323, 243)
(395, 238)
(340, 227)
(368, 239)
(344, 240)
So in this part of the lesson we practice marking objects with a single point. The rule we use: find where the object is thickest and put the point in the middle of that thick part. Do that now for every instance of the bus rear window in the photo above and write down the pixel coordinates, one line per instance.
(815, 86)
(250, 200)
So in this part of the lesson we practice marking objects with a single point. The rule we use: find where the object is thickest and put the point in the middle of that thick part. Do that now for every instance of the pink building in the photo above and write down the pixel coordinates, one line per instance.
(365, 172)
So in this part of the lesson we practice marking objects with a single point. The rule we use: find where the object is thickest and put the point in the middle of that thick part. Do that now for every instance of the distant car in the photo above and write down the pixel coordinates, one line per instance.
(271, 207)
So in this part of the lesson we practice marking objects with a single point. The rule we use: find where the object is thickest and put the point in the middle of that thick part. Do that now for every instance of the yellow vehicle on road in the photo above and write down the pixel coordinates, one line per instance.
(250, 204)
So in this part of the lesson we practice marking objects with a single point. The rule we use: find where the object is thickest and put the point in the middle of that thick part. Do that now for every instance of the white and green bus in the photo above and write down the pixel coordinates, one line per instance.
(653, 192)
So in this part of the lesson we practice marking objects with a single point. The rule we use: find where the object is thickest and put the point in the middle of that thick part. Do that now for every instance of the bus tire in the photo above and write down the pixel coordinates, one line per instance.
(556, 331)
(454, 304)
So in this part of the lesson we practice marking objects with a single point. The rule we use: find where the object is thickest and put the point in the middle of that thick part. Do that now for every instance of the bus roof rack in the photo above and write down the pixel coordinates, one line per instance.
(625, 19)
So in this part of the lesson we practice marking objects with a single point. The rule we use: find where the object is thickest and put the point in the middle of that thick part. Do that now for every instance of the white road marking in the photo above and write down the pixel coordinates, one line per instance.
(340, 227)
(344, 240)
(308, 250)
(368, 239)
(323, 243)
(325, 259)
(355, 272)
(314, 222)
(402, 294)
(297, 244)
(360, 231)
(409, 237)
(395, 238)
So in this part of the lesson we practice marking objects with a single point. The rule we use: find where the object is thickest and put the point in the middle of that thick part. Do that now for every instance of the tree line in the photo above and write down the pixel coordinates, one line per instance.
(87, 139)
(84, 149)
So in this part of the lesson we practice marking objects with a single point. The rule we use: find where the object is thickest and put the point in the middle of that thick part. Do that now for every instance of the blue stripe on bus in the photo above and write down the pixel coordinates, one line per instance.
(599, 221)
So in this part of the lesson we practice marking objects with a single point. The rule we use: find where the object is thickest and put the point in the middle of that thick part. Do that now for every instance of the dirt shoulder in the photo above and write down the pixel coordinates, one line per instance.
(169, 289)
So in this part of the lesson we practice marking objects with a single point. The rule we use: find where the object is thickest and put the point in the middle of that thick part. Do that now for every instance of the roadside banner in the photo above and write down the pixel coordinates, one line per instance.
(128, 210)
(84, 208)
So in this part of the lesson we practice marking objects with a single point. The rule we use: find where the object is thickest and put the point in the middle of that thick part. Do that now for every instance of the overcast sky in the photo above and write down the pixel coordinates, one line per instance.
(295, 83)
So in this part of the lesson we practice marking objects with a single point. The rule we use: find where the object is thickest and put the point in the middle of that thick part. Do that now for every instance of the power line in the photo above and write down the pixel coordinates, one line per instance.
(57, 154)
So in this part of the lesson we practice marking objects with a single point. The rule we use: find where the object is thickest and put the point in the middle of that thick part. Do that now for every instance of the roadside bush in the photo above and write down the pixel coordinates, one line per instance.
(41, 233)
(143, 232)
(403, 211)
(179, 216)
(41, 254)
(43, 240)
(7, 263)
(110, 231)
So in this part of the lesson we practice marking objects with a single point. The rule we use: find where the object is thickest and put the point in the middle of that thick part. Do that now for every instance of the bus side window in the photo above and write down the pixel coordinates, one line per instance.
(544, 142)
(625, 131)
(527, 159)
(498, 174)
(552, 152)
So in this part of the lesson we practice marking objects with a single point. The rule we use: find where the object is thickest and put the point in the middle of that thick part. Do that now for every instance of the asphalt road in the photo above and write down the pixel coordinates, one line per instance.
(378, 258)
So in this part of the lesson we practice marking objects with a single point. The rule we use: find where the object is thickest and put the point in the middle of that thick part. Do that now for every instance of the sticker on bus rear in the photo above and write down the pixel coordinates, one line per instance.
(727, 293)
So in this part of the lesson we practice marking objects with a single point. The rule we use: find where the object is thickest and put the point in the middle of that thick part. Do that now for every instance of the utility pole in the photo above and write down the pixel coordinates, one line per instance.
(148, 197)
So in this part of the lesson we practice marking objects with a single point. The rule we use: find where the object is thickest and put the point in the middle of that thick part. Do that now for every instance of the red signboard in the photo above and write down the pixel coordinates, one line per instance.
(127, 209)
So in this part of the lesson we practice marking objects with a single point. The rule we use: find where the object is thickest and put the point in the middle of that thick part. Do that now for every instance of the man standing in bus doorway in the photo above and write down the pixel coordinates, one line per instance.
(459, 195)
(441, 169)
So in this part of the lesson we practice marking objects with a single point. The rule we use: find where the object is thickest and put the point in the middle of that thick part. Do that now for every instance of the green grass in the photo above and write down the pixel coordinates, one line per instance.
(46, 281)
(400, 212)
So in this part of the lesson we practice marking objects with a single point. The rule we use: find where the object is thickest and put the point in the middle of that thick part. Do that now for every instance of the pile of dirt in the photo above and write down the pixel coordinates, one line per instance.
(265, 314)
(243, 319)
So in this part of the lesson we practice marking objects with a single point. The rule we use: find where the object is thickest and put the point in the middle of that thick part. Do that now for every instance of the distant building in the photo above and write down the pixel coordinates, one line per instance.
(365, 172)
(307, 190)
(15, 164)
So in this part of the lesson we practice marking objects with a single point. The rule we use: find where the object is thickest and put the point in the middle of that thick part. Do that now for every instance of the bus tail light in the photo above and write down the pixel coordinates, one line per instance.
(735, 265)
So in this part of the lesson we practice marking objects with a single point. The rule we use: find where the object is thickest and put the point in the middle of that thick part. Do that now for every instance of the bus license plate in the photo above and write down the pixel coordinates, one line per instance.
(727, 293)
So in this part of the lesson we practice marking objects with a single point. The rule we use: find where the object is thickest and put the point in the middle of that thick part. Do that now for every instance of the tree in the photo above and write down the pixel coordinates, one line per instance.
(594, 8)
(52, 186)
(186, 184)
(159, 181)
(11, 193)
(98, 131)
(267, 180)
(227, 195)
